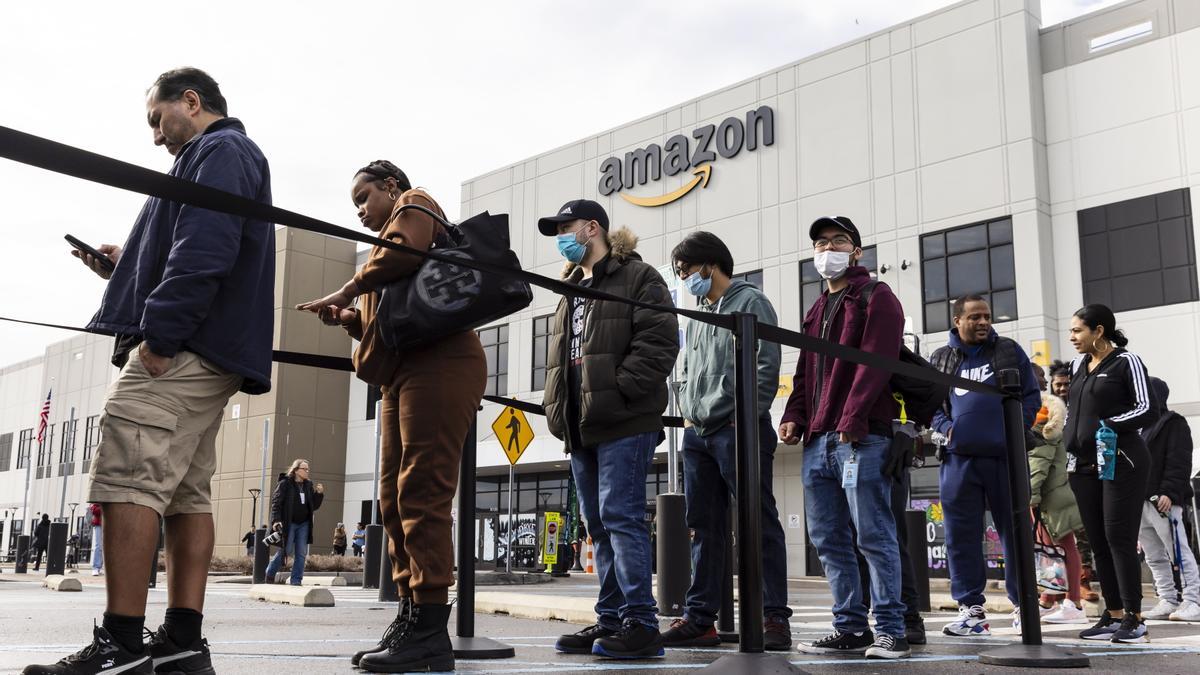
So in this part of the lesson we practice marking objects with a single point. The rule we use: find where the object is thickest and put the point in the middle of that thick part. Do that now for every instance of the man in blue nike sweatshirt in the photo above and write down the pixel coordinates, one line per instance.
(974, 473)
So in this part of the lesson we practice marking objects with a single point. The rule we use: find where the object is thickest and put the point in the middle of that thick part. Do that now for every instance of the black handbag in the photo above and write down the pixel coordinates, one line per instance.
(443, 298)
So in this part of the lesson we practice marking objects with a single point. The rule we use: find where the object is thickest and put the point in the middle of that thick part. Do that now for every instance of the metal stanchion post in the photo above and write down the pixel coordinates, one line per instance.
(1031, 653)
(56, 552)
(674, 543)
(750, 657)
(725, 628)
(387, 585)
(466, 645)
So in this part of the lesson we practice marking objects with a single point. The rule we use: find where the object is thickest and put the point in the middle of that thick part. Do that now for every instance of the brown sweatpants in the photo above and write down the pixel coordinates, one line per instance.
(424, 419)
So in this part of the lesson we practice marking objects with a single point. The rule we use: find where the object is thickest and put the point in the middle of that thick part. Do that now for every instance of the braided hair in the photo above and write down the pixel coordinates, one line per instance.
(381, 170)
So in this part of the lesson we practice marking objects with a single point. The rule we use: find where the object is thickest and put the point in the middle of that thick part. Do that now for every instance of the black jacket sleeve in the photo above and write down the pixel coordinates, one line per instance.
(317, 497)
(1142, 414)
(1177, 460)
(278, 502)
(655, 341)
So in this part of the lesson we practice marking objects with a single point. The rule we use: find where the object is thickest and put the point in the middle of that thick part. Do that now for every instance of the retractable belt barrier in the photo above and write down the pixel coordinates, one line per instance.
(60, 158)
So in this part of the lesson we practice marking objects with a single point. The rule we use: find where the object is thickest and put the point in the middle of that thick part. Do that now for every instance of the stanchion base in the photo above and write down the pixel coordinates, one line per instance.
(743, 663)
(480, 648)
(729, 638)
(1033, 656)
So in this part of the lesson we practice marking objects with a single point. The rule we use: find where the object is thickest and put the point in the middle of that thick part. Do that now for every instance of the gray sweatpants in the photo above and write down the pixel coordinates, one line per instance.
(1159, 546)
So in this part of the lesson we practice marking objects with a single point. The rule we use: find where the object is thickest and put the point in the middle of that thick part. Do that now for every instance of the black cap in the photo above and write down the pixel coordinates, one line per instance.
(573, 210)
(841, 222)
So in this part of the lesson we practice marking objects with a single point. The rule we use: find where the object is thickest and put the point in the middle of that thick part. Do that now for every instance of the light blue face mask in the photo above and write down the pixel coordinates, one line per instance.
(570, 248)
(697, 285)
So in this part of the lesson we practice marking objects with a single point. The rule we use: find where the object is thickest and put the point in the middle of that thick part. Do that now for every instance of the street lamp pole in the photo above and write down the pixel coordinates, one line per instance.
(254, 493)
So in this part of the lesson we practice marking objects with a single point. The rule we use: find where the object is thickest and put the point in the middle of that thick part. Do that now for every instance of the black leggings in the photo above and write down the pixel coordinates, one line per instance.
(1112, 515)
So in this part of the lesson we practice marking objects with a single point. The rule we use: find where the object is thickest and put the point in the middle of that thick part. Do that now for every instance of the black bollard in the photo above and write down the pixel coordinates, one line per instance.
(22, 566)
(374, 542)
(387, 584)
(725, 628)
(466, 645)
(750, 657)
(56, 552)
(1031, 653)
(918, 554)
(674, 554)
(262, 556)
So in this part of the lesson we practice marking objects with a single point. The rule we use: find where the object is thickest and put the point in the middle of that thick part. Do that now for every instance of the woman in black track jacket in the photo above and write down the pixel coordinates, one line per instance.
(1109, 384)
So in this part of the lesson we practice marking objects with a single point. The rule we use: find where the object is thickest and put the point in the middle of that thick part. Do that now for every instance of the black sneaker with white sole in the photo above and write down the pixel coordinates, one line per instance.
(1132, 631)
(1103, 630)
(889, 647)
(838, 642)
(172, 659)
(103, 656)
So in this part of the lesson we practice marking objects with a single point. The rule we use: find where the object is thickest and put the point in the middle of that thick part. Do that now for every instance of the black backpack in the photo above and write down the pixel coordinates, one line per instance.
(922, 398)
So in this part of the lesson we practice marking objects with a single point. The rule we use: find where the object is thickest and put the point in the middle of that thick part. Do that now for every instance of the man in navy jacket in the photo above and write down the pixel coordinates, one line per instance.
(974, 473)
(190, 302)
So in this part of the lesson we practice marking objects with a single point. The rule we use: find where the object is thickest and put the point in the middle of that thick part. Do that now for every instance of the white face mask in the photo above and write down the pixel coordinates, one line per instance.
(831, 264)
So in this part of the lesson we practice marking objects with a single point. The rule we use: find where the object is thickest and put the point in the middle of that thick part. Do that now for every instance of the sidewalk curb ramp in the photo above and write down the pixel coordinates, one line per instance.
(300, 596)
(62, 584)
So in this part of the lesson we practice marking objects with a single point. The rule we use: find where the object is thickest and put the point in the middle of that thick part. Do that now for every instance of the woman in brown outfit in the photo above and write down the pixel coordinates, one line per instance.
(430, 397)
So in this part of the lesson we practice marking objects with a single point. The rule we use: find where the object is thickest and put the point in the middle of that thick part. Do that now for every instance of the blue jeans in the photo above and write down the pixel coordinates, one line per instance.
(611, 482)
(710, 477)
(97, 547)
(968, 486)
(832, 509)
(297, 547)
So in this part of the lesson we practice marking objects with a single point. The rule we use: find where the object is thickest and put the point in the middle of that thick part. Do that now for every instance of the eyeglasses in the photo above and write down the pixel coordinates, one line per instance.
(838, 241)
(684, 271)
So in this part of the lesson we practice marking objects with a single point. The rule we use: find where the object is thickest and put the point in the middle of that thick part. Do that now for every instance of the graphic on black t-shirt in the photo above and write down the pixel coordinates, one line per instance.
(578, 308)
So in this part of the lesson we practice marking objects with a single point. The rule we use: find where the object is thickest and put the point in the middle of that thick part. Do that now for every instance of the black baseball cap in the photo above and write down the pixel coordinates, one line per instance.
(573, 210)
(841, 222)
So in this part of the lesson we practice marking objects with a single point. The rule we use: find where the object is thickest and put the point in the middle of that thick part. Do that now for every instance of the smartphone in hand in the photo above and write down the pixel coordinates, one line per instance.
(103, 260)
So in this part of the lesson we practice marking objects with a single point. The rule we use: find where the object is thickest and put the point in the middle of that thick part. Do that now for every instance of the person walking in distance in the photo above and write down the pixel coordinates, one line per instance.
(339, 539)
(293, 504)
(41, 540)
(96, 517)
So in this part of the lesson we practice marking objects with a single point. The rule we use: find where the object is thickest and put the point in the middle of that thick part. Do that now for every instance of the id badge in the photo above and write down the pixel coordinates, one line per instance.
(850, 473)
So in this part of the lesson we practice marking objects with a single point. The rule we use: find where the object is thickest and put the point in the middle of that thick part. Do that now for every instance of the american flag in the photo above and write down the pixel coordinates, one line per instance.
(44, 418)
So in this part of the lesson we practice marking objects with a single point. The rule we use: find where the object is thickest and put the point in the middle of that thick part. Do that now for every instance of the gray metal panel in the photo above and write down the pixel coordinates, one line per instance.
(1187, 14)
(1054, 49)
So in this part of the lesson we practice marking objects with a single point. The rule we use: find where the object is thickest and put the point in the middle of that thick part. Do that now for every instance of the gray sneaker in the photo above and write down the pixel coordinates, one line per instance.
(1132, 631)
(1103, 630)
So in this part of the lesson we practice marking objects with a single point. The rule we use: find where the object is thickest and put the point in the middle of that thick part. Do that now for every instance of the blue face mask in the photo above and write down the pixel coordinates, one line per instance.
(570, 248)
(697, 285)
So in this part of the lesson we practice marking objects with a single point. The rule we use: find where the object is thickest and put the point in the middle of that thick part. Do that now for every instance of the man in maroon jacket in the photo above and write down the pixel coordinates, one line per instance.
(843, 412)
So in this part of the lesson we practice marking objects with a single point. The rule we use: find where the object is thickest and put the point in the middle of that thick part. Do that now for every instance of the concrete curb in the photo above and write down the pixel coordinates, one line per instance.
(531, 606)
(62, 584)
(323, 581)
(292, 595)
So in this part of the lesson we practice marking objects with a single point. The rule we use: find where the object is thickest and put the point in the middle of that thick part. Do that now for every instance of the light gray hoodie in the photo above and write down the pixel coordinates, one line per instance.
(707, 397)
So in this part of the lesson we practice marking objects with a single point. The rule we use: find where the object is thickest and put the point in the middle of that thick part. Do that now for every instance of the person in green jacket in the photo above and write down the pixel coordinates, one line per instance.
(705, 265)
(1051, 496)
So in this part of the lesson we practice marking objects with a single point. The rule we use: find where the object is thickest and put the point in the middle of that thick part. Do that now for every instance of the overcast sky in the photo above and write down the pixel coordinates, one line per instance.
(446, 90)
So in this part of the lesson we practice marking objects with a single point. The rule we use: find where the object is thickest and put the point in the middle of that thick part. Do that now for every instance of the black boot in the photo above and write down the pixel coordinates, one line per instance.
(422, 647)
(403, 617)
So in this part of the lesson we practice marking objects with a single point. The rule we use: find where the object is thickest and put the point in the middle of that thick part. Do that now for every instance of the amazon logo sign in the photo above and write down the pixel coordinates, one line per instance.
(676, 156)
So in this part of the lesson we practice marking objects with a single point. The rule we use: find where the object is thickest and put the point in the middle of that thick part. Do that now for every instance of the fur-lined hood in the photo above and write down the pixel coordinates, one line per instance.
(622, 244)
(1056, 417)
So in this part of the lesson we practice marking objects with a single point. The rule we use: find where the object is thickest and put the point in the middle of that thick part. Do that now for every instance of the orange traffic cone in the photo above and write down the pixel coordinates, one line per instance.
(591, 568)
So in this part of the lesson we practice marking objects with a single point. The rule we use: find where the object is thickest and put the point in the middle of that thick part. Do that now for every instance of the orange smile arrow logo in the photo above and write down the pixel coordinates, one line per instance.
(702, 174)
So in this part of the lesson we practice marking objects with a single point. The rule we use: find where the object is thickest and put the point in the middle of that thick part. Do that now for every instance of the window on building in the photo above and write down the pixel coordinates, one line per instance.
(24, 447)
(46, 453)
(1139, 253)
(541, 347)
(91, 439)
(374, 395)
(755, 277)
(811, 283)
(6, 443)
(66, 450)
(495, 348)
(974, 259)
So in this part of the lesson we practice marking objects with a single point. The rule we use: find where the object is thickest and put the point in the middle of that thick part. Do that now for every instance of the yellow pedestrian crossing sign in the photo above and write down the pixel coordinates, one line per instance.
(513, 432)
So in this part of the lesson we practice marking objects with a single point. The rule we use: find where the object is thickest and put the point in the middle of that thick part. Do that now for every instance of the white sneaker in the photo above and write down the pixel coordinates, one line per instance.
(95, 573)
(1160, 611)
(971, 621)
(1016, 618)
(1188, 611)
(1043, 611)
(1067, 613)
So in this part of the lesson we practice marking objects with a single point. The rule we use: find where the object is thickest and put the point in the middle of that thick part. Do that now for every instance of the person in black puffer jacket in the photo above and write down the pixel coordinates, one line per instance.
(293, 504)
(1108, 386)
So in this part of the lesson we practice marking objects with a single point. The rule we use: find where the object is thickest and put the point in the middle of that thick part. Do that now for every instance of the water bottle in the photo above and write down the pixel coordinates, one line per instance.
(1106, 452)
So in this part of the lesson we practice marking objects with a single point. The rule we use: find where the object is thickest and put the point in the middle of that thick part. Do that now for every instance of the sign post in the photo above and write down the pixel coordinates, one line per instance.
(512, 430)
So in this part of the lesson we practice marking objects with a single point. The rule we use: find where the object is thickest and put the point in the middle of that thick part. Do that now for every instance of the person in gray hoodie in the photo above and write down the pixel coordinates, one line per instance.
(705, 265)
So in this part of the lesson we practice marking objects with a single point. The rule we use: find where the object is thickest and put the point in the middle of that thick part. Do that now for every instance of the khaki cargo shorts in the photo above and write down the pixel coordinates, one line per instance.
(158, 446)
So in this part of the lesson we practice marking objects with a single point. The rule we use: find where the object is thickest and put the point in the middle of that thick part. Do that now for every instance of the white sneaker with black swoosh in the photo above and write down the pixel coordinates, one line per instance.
(172, 659)
(104, 656)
